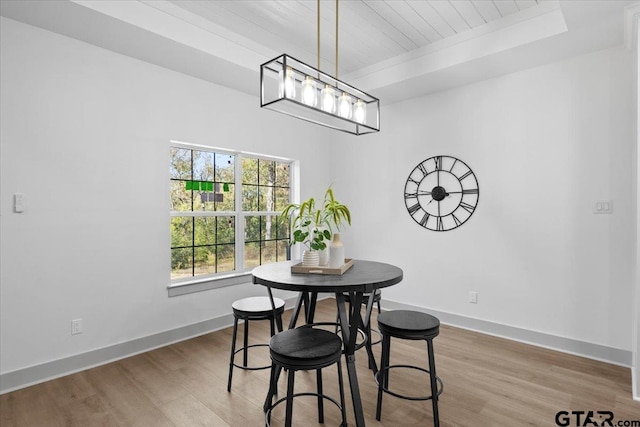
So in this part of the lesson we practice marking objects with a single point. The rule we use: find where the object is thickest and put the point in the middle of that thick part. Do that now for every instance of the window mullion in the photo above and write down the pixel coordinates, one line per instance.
(239, 235)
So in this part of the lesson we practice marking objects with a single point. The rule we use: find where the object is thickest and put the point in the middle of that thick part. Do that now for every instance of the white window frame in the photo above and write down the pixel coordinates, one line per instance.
(240, 275)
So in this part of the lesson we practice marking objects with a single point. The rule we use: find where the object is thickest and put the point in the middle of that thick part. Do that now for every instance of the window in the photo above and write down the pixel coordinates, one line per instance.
(224, 211)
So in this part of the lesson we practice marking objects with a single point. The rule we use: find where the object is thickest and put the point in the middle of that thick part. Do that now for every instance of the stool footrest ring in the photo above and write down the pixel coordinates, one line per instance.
(402, 396)
(267, 413)
(249, 368)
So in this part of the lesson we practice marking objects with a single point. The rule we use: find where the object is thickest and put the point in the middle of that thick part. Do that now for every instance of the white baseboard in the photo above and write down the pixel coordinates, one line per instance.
(36, 374)
(25, 377)
(566, 345)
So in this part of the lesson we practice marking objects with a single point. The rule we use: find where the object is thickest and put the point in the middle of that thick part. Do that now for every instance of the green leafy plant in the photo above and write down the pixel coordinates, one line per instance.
(307, 225)
(333, 211)
(312, 226)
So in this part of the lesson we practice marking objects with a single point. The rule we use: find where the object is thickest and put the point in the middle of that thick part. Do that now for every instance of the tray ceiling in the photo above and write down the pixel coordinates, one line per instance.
(393, 49)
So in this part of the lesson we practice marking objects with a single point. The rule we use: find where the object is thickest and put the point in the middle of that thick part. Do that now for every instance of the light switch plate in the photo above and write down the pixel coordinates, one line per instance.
(603, 207)
(18, 203)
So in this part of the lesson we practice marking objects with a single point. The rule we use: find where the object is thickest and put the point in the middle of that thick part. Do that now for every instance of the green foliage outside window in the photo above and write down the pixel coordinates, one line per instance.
(204, 216)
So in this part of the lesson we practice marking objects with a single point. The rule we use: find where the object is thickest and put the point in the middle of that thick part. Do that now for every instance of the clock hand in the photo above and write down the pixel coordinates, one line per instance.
(423, 193)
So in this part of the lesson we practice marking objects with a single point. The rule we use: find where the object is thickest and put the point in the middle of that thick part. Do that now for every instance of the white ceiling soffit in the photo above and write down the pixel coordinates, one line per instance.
(393, 49)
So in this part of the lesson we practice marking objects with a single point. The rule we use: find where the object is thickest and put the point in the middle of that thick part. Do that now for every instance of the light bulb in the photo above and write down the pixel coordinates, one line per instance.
(345, 109)
(287, 84)
(360, 112)
(309, 92)
(328, 97)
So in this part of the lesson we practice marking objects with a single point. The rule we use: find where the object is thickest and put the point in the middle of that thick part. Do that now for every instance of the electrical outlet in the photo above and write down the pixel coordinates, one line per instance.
(473, 297)
(76, 326)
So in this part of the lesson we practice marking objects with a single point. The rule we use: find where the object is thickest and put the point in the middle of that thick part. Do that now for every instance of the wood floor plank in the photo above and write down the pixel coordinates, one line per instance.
(189, 411)
(488, 381)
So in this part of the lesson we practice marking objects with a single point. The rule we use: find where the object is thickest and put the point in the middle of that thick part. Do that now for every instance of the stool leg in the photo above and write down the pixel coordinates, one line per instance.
(272, 326)
(320, 399)
(233, 351)
(434, 384)
(289, 411)
(383, 378)
(342, 403)
(246, 343)
(366, 323)
(273, 385)
(269, 400)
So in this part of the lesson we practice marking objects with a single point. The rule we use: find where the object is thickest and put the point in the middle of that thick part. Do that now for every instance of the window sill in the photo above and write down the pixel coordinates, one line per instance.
(199, 285)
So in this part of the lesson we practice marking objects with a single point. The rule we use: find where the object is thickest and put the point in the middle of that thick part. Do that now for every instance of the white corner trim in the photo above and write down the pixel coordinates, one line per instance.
(631, 18)
(540, 339)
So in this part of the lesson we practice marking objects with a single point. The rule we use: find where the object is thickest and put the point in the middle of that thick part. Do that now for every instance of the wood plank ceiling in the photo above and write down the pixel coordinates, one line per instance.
(370, 31)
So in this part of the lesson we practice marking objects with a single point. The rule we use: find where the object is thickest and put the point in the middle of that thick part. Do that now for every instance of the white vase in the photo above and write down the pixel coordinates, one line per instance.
(336, 252)
(324, 256)
(310, 259)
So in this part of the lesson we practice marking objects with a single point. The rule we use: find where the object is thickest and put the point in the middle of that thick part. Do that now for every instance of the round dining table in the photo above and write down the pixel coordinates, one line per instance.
(364, 277)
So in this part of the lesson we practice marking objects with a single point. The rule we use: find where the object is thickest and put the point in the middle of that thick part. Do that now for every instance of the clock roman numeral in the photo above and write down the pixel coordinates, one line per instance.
(425, 218)
(410, 195)
(454, 163)
(470, 191)
(456, 220)
(438, 160)
(439, 225)
(413, 209)
(423, 169)
(467, 207)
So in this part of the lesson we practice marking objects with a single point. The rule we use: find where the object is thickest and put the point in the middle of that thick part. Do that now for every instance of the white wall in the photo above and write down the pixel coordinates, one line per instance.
(545, 144)
(85, 137)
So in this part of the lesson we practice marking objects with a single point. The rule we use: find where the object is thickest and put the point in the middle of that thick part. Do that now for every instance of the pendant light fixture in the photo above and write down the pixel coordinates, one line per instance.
(292, 87)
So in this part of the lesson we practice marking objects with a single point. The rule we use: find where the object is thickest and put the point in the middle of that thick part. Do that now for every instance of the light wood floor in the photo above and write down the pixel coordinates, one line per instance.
(488, 381)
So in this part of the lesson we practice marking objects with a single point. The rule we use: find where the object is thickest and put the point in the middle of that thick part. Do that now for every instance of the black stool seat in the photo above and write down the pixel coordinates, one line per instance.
(247, 309)
(410, 325)
(257, 308)
(304, 349)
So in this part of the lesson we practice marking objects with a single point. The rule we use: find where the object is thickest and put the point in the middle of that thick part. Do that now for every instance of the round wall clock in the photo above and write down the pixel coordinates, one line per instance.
(441, 193)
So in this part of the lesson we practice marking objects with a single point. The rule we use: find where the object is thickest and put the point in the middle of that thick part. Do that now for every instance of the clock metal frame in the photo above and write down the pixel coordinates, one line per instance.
(441, 193)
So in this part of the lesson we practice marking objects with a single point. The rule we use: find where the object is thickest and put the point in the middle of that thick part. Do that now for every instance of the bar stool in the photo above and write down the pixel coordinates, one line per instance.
(409, 325)
(304, 349)
(247, 309)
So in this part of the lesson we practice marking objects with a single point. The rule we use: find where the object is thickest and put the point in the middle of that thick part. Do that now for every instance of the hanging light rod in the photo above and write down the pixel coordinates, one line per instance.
(291, 87)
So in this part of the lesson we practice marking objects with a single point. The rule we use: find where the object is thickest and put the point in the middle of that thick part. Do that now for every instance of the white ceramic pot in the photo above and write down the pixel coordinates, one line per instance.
(310, 259)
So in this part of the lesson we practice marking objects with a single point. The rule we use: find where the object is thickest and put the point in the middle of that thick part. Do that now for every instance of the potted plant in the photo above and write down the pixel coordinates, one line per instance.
(309, 227)
(312, 226)
(335, 213)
